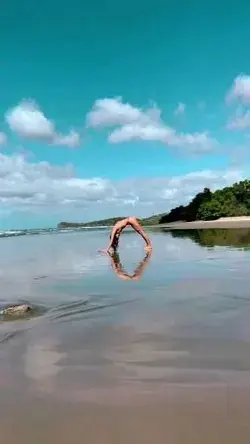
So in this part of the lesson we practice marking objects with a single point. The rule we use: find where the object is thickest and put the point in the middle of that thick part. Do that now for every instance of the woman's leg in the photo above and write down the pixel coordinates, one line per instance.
(138, 228)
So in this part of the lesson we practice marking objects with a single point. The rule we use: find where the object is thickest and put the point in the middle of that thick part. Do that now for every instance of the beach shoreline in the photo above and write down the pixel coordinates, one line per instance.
(226, 222)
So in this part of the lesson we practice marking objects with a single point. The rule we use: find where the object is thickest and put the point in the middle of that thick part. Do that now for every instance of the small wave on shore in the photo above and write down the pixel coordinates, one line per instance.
(30, 232)
(12, 233)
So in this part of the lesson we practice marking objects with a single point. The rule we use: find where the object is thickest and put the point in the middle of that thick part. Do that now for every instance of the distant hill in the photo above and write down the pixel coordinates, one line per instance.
(153, 220)
(95, 223)
(207, 205)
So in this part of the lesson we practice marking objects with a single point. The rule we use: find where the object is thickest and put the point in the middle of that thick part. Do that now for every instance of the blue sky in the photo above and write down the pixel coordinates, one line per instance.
(116, 109)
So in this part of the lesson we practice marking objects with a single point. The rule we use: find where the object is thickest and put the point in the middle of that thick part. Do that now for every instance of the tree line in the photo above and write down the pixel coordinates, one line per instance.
(207, 205)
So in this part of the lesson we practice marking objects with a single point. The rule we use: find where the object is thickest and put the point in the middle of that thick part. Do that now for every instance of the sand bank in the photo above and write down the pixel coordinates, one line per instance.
(225, 222)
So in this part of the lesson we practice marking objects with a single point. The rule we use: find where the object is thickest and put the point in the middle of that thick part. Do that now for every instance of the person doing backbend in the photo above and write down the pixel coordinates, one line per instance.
(119, 227)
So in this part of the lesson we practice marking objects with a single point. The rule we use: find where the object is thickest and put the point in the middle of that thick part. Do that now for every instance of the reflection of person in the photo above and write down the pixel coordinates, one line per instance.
(119, 227)
(119, 271)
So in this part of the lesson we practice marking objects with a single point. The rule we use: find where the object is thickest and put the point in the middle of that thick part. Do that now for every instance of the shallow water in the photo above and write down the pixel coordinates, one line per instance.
(101, 345)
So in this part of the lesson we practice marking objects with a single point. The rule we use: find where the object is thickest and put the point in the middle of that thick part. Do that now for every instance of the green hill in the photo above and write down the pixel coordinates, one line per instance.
(153, 220)
(95, 223)
(206, 205)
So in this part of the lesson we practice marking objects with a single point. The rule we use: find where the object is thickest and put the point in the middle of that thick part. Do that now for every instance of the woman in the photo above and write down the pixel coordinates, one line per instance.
(119, 227)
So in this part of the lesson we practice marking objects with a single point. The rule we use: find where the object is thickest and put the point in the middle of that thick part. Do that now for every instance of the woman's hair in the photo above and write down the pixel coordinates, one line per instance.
(115, 241)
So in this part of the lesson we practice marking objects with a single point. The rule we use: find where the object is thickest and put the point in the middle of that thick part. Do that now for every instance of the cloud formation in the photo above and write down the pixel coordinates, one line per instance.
(28, 121)
(240, 122)
(240, 93)
(240, 89)
(22, 182)
(25, 186)
(112, 112)
(130, 123)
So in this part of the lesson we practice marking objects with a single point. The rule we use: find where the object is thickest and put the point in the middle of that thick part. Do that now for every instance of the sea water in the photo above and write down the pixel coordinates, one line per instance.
(167, 332)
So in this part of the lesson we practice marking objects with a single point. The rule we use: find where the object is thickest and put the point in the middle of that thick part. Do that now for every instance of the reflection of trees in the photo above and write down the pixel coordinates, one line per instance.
(122, 274)
(216, 237)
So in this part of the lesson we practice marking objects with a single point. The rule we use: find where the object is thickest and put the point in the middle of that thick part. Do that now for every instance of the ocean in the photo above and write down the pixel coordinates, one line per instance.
(136, 348)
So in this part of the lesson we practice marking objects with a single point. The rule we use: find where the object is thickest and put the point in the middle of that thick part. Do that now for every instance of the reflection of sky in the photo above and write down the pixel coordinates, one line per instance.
(41, 363)
(108, 364)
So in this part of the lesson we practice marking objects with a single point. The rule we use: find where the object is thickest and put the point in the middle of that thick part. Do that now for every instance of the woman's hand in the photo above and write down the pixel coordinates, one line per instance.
(107, 251)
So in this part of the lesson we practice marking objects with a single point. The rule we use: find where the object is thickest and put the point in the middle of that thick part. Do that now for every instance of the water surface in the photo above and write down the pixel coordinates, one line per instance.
(166, 333)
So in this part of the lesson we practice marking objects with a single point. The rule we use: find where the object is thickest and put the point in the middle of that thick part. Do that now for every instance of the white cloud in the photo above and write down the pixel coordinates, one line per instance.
(71, 140)
(240, 122)
(28, 121)
(196, 142)
(3, 138)
(173, 191)
(240, 90)
(137, 124)
(137, 131)
(113, 112)
(180, 109)
(41, 186)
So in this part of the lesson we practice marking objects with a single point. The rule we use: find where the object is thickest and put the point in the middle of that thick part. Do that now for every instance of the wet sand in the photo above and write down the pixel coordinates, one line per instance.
(189, 416)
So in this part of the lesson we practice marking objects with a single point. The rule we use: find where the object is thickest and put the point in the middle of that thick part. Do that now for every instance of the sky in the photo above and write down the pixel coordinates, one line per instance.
(115, 109)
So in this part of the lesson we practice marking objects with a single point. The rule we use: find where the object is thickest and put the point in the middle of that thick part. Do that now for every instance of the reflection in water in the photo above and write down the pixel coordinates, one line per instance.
(122, 274)
(217, 237)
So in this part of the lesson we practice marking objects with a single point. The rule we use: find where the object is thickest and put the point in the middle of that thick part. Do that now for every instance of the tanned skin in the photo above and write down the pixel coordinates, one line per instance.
(122, 274)
(119, 227)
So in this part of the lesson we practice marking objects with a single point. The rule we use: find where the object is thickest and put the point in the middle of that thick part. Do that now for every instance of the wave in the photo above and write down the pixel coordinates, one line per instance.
(33, 232)
(12, 233)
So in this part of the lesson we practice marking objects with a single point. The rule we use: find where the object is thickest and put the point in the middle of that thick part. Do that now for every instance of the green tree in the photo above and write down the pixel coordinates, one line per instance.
(193, 208)
(209, 210)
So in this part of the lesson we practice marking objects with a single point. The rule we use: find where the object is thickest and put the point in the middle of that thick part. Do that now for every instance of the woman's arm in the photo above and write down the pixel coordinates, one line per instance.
(140, 269)
(112, 237)
(119, 271)
(117, 267)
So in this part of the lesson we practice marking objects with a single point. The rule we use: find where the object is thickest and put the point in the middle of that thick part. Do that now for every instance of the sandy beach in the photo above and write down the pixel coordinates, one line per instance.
(225, 222)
